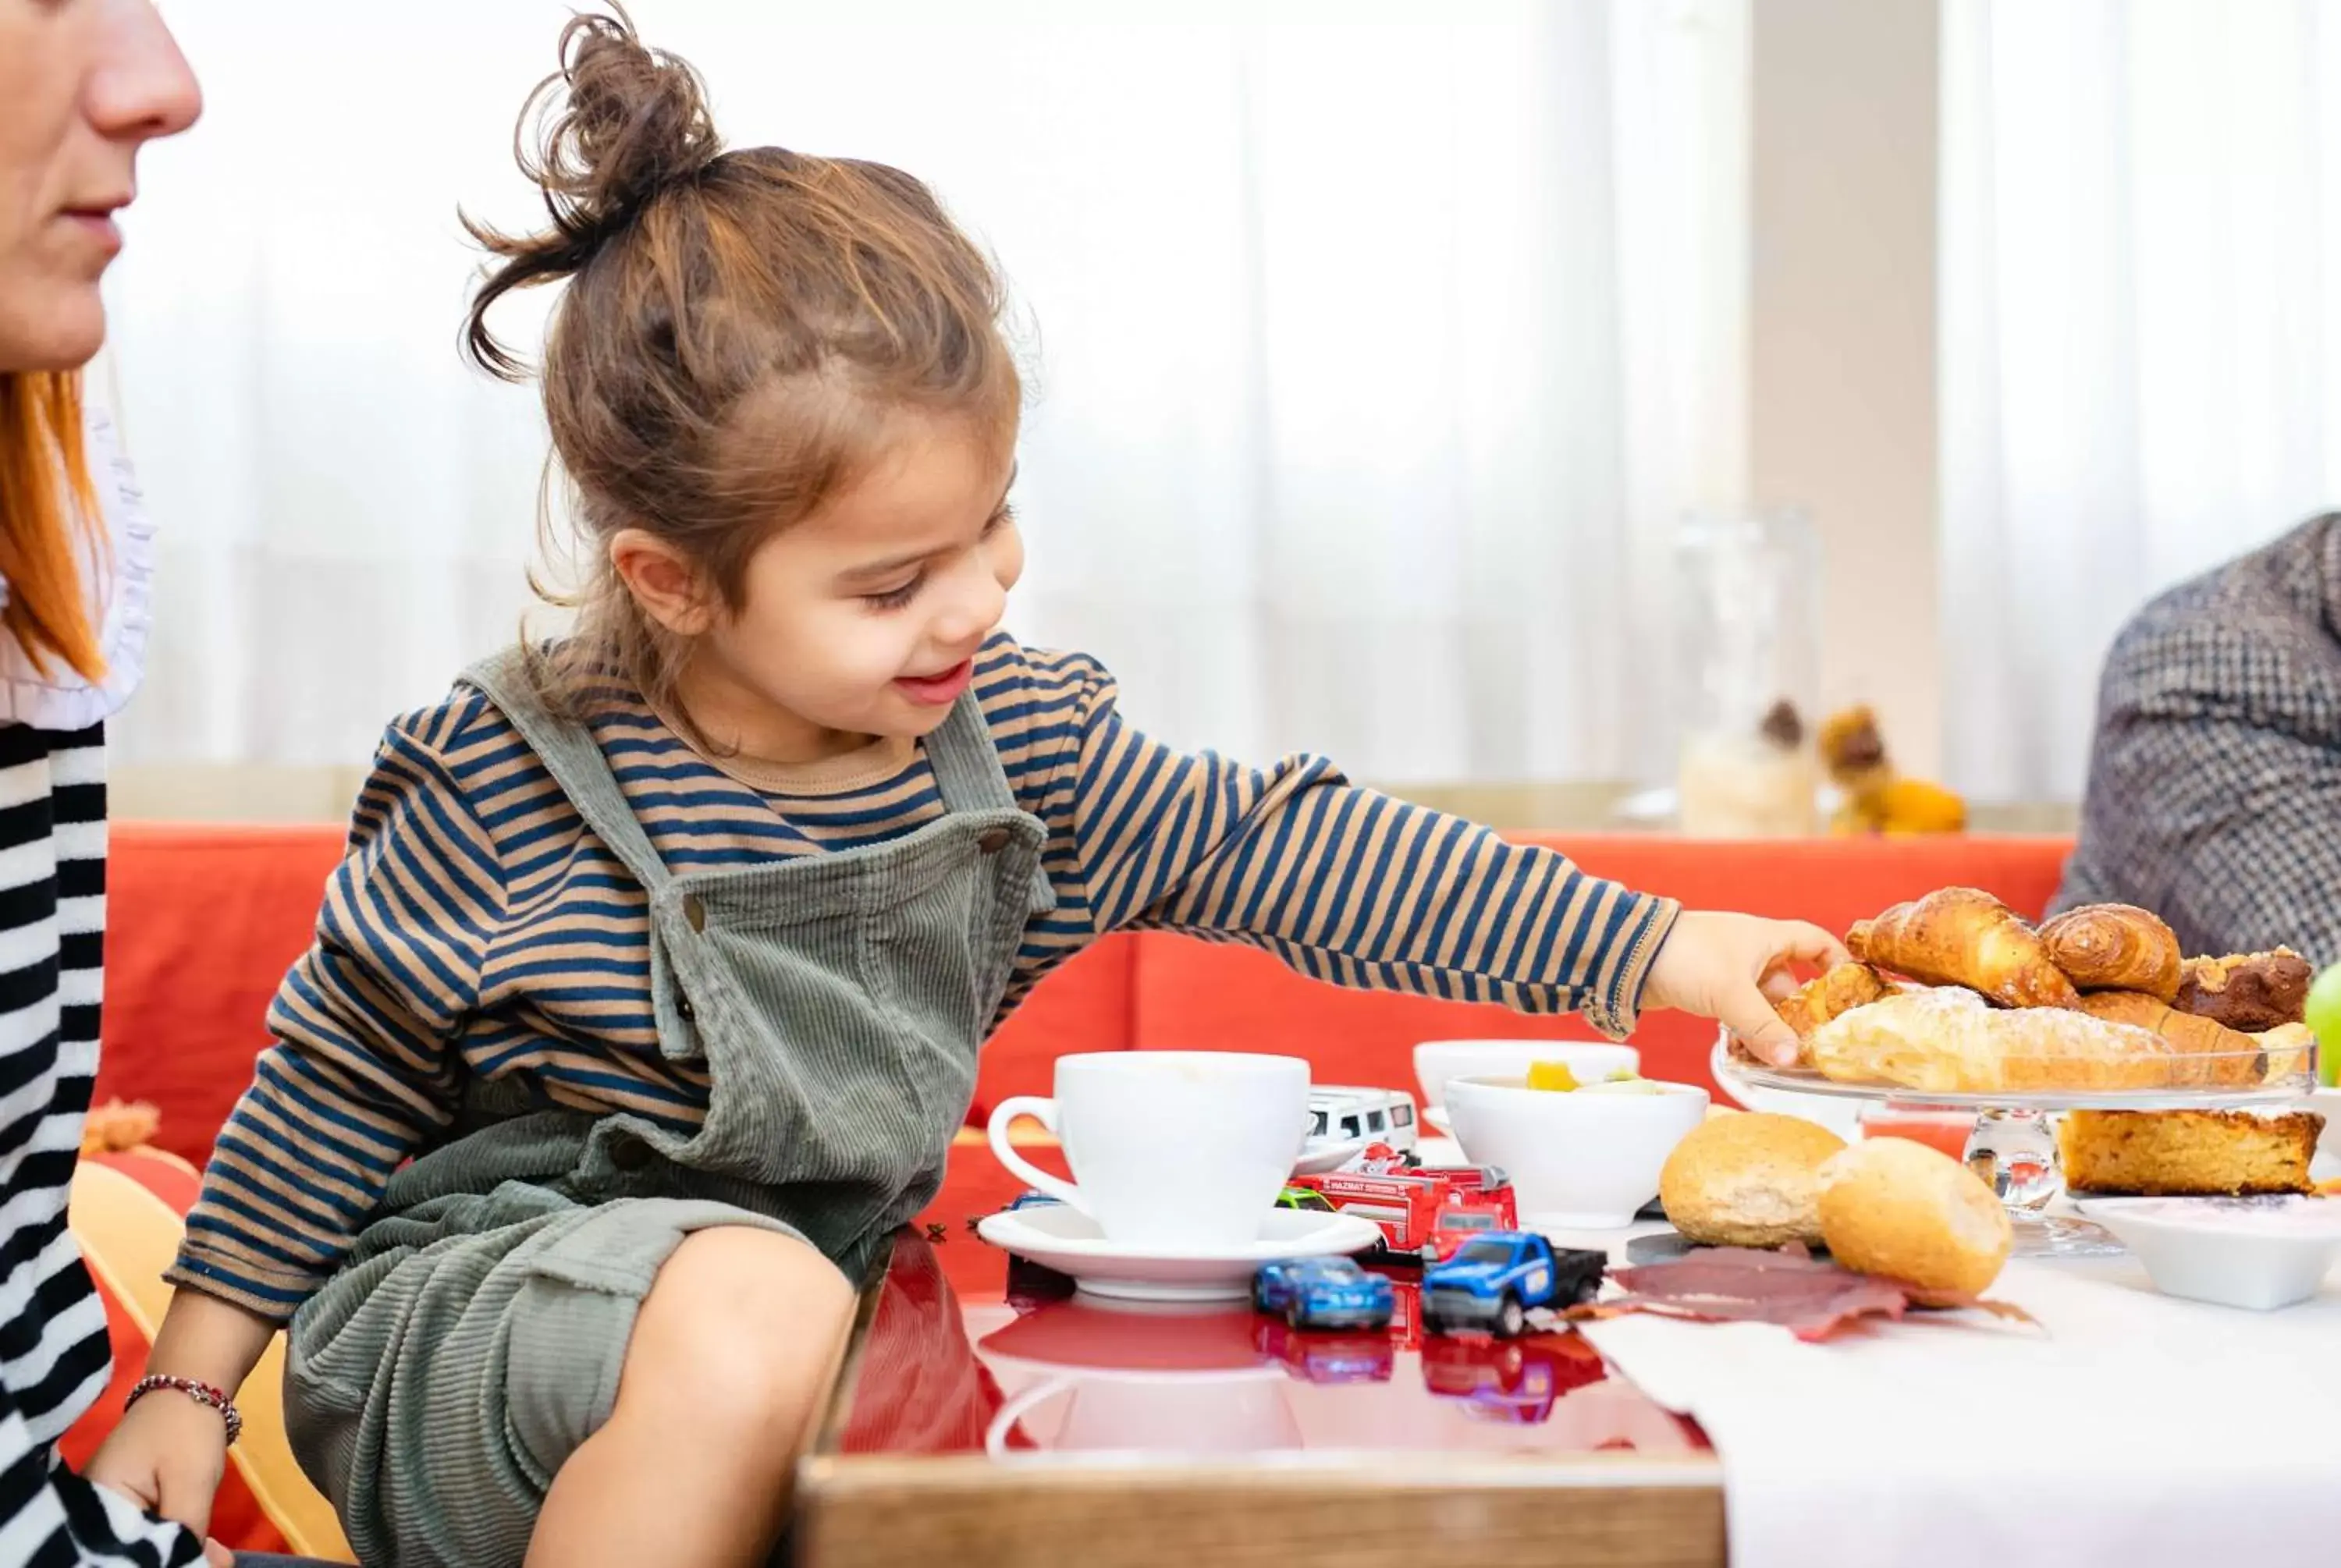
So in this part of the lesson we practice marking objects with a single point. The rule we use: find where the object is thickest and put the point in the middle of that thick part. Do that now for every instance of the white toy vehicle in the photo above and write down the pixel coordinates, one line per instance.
(1342, 1113)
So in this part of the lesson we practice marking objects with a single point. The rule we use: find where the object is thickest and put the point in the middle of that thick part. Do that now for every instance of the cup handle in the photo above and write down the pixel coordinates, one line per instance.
(1044, 1111)
(1014, 1408)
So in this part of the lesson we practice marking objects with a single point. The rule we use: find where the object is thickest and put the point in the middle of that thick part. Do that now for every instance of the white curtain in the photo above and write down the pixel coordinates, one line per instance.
(1378, 349)
(2141, 334)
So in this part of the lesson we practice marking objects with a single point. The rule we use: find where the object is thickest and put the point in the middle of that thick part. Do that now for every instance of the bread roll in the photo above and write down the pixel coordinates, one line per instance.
(1893, 1207)
(1747, 1180)
(2114, 948)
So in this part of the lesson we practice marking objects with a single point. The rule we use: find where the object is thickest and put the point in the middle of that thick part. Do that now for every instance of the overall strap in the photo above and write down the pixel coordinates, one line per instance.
(968, 774)
(969, 777)
(571, 756)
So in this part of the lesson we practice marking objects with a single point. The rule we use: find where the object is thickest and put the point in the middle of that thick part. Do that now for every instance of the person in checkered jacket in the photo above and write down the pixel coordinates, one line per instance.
(2215, 781)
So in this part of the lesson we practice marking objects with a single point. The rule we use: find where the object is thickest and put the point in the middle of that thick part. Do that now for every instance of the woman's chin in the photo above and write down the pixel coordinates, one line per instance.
(52, 330)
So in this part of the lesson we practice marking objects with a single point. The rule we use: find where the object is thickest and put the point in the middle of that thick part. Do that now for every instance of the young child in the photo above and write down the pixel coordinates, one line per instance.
(665, 952)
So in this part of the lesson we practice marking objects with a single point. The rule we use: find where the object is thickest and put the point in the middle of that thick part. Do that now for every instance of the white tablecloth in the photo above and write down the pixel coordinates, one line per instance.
(2131, 1431)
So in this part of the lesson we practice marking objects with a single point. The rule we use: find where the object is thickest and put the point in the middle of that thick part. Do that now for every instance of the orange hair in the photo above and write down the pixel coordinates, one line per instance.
(45, 499)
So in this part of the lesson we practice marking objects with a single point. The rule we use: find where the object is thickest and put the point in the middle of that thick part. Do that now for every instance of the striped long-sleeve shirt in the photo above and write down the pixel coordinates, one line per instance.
(478, 925)
(54, 1357)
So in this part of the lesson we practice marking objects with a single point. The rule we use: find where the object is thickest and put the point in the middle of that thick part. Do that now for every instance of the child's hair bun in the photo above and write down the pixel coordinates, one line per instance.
(617, 126)
(736, 331)
(618, 123)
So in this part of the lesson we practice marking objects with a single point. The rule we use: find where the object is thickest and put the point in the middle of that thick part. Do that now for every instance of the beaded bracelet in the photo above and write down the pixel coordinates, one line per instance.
(201, 1393)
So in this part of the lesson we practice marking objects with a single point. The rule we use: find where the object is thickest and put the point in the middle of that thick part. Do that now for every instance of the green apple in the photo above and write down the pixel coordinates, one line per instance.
(2324, 1017)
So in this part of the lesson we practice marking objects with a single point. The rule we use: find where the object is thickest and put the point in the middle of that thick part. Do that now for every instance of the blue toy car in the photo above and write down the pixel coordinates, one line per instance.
(1323, 1293)
(1493, 1281)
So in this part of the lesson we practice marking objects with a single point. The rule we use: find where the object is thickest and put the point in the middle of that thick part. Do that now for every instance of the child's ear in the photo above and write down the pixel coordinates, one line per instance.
(662, 581)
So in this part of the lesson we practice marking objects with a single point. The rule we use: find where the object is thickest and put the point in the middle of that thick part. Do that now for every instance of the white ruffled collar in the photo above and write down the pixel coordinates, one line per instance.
(119, 582)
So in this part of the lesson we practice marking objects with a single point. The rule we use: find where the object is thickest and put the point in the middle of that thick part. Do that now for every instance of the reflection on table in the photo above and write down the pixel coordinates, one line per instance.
(1048, 1371)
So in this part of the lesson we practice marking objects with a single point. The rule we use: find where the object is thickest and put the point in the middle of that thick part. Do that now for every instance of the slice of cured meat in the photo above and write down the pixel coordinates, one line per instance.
(1810, 1298)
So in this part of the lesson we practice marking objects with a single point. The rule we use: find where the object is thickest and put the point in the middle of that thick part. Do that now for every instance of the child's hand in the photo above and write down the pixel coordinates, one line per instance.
(1733, 968)
(168, 1455)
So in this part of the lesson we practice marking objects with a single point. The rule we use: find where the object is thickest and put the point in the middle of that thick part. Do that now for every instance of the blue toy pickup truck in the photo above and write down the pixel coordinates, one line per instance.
(1323, 1293)
(1493, 1281)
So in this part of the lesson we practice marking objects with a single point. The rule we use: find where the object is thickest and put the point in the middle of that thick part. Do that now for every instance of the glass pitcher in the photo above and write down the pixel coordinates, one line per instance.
(1748, 654)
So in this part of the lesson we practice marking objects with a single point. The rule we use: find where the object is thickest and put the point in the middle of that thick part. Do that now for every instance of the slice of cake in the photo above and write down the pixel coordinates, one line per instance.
(2246, 991)
(2186, 1154)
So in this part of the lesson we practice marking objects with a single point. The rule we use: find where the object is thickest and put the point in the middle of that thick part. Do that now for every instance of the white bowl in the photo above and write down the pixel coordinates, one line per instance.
(2260, 1252)
(1586, 1160)
(1436, 1061)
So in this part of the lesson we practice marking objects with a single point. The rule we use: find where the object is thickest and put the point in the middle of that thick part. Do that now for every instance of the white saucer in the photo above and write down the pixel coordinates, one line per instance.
(1319, 1156)
(1436, 1117)
(1057, 1236)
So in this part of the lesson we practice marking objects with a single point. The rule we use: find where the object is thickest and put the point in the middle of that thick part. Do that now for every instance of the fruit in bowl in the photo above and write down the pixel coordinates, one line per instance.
(1554, 1078)
(1436, 1062)
(1588, 1159)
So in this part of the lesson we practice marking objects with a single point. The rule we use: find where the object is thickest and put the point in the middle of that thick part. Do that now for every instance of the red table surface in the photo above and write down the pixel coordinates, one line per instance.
(1037, 1368)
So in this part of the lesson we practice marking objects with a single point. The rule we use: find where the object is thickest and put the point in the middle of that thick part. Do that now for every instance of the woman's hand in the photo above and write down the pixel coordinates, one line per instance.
(1733, 968)
(167, 1455)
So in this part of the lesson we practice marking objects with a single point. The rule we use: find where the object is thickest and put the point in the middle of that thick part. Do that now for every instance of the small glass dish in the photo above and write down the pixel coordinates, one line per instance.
(2256, 1253)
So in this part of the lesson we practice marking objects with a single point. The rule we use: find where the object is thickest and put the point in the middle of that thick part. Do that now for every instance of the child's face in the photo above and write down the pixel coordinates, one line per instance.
(863, 620)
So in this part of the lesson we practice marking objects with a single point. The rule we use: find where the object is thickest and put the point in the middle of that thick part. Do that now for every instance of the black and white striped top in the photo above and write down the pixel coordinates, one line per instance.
(54, 1356)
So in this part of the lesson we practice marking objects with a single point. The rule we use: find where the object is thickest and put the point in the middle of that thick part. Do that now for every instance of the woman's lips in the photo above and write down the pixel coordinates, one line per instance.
(938, 690)
(99, 226)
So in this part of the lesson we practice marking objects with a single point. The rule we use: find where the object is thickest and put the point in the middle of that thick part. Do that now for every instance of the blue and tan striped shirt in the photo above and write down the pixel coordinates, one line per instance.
(476, 925)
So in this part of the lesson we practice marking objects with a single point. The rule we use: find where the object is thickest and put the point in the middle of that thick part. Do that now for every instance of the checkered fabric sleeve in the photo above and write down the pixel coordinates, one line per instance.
(2215, 783)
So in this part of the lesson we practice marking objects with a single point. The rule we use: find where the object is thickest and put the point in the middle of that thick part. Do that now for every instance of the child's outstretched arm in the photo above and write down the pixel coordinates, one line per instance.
(1350, 886)
(1733, 968)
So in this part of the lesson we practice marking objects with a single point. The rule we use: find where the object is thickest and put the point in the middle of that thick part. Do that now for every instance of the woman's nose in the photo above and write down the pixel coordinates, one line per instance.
(143, 86)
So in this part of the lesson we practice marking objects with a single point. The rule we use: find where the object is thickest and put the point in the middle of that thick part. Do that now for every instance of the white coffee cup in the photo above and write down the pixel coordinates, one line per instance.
(1184, 1150)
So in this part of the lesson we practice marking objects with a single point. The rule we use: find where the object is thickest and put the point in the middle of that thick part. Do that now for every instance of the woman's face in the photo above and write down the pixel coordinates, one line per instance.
(84, 83)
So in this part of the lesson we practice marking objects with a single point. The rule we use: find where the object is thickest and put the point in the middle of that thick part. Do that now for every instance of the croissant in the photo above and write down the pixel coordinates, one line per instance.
(1943, 1039)
(1965, 937)
(2212, 1055)
(1842, 989)
(2114, 948)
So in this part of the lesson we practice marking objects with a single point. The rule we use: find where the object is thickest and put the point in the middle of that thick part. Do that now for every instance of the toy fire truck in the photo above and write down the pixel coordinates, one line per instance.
(1426, 1214)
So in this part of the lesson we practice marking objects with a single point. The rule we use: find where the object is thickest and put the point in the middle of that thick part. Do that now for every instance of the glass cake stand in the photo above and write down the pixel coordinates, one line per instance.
(2012, 1144)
